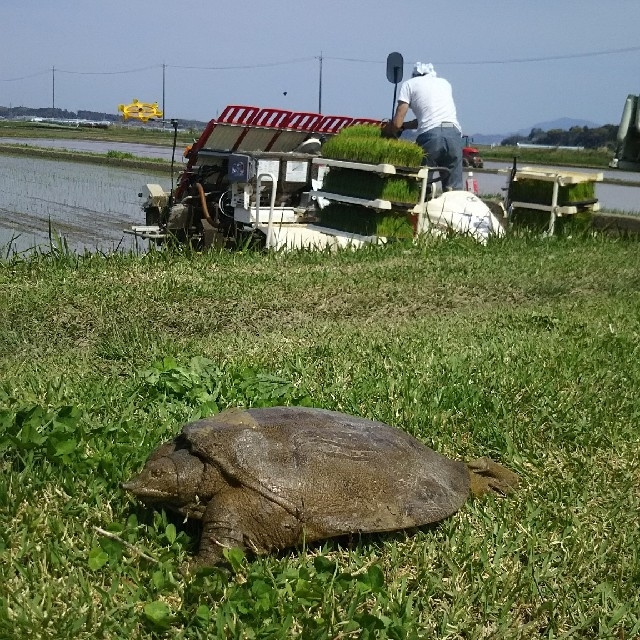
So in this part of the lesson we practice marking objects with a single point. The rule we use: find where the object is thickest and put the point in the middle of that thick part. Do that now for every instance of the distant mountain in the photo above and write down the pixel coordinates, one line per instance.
(561, 123)
(488, 138)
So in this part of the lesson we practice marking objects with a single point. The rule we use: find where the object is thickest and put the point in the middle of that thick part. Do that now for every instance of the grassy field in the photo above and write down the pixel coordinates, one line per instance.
(593, 158)
(525, 350)
(114, 133)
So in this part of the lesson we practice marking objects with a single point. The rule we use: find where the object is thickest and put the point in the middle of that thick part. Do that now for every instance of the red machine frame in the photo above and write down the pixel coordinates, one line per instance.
(271, 121)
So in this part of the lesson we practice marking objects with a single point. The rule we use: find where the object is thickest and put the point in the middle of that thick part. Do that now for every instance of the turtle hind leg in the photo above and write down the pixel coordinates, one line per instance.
(485, 476)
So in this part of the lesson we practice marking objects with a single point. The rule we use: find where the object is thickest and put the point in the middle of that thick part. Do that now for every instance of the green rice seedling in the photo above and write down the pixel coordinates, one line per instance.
(368, 222)
(373, 150)
(541, 192)
(361, 130)
(363, 143)
(366, 185)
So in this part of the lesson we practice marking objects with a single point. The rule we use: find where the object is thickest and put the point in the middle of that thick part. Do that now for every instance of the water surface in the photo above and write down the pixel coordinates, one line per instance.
(101, 146)
(89, 205)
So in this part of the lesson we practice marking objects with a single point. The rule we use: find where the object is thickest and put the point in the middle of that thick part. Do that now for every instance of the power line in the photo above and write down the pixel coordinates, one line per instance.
(169, 66)
(33, 75)
(568, 56)
(108, 73)
(245, 66)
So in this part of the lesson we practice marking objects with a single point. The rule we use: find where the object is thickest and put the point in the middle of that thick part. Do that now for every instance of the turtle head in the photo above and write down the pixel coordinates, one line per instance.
(170, 478)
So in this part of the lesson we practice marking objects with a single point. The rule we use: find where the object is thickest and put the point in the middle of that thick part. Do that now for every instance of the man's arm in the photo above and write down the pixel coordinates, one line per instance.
(399, 116)
(396, 125)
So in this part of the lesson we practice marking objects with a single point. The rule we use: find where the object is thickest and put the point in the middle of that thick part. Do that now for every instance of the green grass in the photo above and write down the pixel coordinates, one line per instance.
(594, 158)
(525, 350)
(115, 133)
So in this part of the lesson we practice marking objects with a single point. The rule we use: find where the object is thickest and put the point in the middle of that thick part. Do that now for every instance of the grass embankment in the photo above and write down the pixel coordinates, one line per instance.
(110, 158)
(525, 350)
(587, 158)
(114, 133)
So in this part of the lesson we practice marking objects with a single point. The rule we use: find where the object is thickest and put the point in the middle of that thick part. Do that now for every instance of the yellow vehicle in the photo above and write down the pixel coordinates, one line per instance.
(143, 111)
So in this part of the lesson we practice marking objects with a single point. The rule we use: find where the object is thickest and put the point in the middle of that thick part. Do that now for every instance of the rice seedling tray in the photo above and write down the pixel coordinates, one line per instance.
(382, 168)
(564, 177)
(552, 192)
(364, 144)
(381, 205)
(355, 218)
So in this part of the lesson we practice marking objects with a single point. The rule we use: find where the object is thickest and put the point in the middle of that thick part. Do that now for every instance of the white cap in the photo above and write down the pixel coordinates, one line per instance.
(423, 69)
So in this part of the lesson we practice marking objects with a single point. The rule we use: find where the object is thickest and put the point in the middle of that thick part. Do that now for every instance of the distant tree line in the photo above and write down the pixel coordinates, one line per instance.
(49, 112)
(594, 138)
(64, 114)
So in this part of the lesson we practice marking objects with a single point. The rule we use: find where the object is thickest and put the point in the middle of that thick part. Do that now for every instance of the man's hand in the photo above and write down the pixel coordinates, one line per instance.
(389, 130)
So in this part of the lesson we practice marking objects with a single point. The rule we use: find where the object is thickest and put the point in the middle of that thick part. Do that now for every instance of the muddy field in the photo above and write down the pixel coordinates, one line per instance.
(89, 205)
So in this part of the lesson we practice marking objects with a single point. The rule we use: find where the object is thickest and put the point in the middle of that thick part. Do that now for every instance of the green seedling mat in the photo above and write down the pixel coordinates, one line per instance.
(370, 186)
(363, 143)
(541, 192)
(368, 222)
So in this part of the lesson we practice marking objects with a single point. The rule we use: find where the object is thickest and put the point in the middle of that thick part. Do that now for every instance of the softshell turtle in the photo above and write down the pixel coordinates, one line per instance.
(266, 479)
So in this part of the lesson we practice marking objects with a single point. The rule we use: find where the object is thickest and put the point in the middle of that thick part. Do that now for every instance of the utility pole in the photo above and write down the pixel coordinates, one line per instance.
(53, 90)
(320, 87)
(164, 66)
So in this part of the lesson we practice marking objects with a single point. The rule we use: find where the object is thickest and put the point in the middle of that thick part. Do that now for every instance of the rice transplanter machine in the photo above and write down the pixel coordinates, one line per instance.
(256, 174)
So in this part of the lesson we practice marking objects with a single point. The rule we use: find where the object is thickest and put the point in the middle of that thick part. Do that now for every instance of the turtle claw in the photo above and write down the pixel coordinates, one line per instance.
(196, 566)
(486, 475)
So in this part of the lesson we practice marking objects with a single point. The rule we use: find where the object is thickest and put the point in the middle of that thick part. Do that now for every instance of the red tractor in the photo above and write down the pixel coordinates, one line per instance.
(471, 158)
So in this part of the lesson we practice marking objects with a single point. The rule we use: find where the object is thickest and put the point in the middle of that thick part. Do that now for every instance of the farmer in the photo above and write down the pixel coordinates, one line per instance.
(439, 133)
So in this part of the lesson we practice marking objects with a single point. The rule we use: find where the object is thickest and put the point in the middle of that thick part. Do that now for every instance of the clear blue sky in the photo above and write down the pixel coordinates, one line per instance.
(512, 63)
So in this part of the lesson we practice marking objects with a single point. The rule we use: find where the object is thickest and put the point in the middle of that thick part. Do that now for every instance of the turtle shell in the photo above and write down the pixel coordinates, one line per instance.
(334, 472)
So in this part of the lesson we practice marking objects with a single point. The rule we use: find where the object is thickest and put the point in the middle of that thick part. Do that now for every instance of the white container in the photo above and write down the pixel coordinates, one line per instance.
(471, 184)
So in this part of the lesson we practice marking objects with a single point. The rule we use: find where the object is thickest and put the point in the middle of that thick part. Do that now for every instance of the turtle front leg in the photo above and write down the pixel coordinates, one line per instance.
(221, 529)
(486, 475)
(239, 517)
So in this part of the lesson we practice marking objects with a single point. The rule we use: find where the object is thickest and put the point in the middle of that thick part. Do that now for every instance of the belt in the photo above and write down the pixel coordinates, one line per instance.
(447, 124)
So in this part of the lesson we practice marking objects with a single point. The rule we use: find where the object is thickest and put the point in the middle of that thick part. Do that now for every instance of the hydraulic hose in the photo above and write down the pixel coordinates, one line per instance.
(203, 203)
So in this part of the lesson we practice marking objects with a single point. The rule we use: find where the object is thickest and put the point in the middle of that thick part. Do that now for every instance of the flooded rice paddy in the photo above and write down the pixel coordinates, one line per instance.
(100, 146)
(89, 205)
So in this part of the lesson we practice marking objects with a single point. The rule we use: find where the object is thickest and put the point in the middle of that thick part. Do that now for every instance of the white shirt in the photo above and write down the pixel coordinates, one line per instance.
(431, 100)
